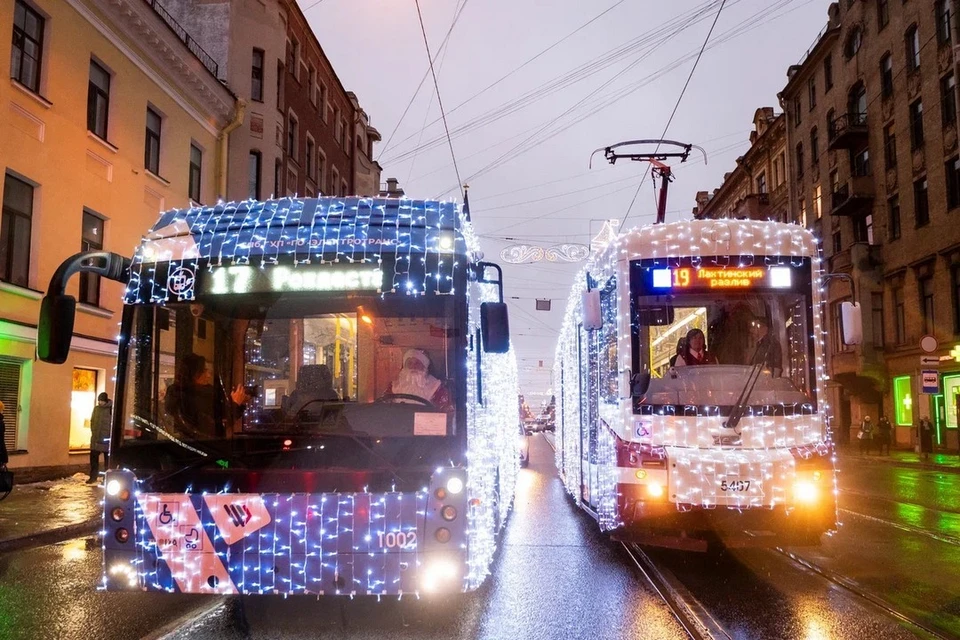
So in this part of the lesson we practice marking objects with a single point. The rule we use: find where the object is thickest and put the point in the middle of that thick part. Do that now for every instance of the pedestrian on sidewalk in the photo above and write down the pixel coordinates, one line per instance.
(865, 435)
(100, 435)
(926, 437)
(883, 434)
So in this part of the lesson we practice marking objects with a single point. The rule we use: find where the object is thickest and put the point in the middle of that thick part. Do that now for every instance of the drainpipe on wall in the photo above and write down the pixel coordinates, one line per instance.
(955, 28)
(222, 147)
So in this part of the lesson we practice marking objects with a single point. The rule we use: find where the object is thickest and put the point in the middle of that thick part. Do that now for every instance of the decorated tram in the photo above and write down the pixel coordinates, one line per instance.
(314, 396)
(688, 368)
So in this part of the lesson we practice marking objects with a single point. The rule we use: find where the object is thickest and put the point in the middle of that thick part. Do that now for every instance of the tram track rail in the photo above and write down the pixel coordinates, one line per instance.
(688, 611)
(850, 586)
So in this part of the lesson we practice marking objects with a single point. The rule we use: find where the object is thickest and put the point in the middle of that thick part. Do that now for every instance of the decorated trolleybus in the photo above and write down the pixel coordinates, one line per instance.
(314, 396)
(688, 369)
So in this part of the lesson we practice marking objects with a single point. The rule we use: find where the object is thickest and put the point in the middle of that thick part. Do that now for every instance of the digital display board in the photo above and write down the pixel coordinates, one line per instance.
(283, 279)
(678, 275)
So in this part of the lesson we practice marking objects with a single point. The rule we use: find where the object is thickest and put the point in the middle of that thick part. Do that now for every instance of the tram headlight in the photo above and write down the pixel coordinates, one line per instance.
(438, 573)
(655, 490)
(114, 487)
(454, 485)
(805, 491)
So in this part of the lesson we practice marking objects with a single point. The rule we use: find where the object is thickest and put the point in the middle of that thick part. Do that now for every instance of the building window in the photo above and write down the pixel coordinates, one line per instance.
(799, 160)
(762, 183)
(98, 100)
(308, 161)
(955, 288)
(321, 169)
(280, 85)
(860, 162)
(344, 189)
(948, 101)
(27, 46)
(837, 242)
(857, 104)
(883, 14)
(334, 181)
(889, 146)
(916, 124)
(876, 317)
(91, 239)
(323, 102)
(256, 76)
(292, 139)
(276, 179)
(151, 149)
(899, 315)
(926, 304)
(15, 229)
(942, 12)
(827, 73)
(812, 92)
(254, 167)
(893, 213)
(312, 85)
(854, 41)
(796, 111)
(834, 181)
(803, 212)
(196, 164)
(886, 75)
(952, 169)
(839, 346)
(780, 169)
(921, 205)
(817, 202)
(863, 229)
(912, 40)
(814, 147)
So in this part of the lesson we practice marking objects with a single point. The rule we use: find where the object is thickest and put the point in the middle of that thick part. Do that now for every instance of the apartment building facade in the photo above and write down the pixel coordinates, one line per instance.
(112, 113)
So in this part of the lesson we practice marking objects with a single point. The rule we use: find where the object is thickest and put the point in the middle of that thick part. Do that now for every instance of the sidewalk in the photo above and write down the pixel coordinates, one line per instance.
(49, 511)
(949, 462)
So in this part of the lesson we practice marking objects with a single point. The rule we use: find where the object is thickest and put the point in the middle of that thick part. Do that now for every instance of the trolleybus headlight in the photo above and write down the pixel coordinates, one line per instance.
(454, 485)
(442, 535)
(117, 514)
(448, 513)
(655, 489)
(805, 491)
(122, 535)
(437, 573)
(113, 487)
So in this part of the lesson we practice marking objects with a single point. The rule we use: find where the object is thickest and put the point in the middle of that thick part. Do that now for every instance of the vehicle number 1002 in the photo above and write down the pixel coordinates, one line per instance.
(734, 485)
(398, 540)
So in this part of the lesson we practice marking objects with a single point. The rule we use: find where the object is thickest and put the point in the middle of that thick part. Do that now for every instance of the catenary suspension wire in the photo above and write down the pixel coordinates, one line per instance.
(436, 86)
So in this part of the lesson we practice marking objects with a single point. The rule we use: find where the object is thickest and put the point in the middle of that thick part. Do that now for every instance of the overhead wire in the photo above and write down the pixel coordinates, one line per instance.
(674, 112)
(436, 86)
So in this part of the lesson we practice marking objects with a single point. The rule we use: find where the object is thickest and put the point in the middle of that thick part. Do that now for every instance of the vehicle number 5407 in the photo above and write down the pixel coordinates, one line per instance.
(734, 485)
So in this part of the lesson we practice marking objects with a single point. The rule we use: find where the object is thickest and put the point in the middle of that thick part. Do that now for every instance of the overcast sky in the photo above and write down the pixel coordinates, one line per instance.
(562, 86)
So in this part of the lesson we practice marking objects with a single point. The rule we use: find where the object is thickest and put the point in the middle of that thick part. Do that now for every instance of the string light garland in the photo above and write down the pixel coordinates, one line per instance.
(771, 442)
(351, 543)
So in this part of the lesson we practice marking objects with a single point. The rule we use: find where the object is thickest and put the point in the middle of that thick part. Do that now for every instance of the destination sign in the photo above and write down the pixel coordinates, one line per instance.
(282, 279)
(679, 278)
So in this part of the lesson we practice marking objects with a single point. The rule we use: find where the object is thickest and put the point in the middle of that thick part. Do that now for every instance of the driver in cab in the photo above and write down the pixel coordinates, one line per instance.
(415, 380)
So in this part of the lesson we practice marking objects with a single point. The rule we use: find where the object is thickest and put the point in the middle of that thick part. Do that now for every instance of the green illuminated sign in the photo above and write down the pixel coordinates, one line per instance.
(903, 401)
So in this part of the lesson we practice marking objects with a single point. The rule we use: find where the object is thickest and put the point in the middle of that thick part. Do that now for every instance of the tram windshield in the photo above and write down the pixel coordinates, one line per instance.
(235, 367)
(701, 345)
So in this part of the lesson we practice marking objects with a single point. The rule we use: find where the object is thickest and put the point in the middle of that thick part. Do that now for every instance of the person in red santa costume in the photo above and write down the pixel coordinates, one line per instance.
(414, 379)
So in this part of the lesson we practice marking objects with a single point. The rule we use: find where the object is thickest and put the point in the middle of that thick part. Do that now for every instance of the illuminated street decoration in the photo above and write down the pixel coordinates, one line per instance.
(339, 543)
(568, 252)
(527, 253)
(739, 251)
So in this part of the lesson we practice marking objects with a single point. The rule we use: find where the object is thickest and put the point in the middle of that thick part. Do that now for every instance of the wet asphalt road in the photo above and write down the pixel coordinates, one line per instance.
(557, 577)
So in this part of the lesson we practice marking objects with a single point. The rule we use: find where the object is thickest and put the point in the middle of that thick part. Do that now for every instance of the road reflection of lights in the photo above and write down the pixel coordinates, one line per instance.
(75, 550)
(815, 625)
(526, 483)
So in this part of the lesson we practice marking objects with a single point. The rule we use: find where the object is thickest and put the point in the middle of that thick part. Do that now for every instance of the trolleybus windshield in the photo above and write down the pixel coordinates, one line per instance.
(700, 328)
(212, 375)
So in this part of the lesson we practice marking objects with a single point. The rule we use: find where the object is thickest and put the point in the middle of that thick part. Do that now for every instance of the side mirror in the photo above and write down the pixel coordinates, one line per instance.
(55, 328)
(852, 323)
(592, 318)
(655, 315)
(640, 384)
(494, 327)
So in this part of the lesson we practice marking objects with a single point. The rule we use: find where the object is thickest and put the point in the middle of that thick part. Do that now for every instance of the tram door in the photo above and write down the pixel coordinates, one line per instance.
(588, 344)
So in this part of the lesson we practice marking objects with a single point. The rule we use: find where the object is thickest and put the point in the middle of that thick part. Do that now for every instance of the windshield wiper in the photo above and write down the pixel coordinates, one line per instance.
(736, 414)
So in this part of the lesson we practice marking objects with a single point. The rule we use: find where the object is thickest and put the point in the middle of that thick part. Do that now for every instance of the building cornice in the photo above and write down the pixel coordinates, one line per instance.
(813, 55)
(159, 48)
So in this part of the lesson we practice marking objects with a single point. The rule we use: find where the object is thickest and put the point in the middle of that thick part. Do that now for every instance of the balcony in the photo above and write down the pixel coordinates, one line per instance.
(853, 198)
(848, 131)
(205, 58)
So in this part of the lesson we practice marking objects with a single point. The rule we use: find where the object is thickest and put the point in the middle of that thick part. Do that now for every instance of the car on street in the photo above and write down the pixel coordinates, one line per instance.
(524, 446)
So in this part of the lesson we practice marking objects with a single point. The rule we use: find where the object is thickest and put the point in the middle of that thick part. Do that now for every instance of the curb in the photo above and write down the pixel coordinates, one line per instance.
(52, 536)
